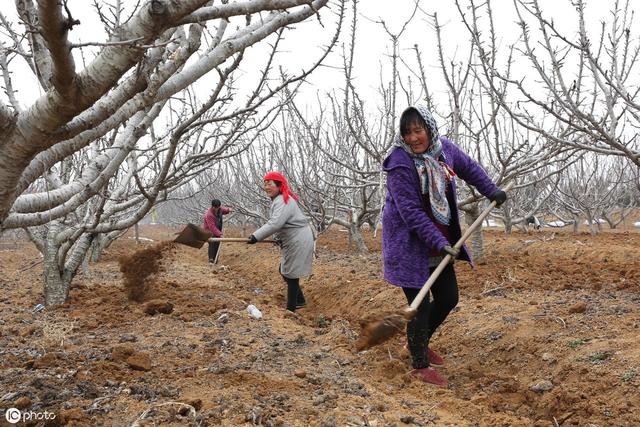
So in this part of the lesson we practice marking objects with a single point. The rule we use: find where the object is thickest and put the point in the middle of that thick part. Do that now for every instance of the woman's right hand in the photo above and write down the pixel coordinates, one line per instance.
(499, 197)
(251, 240)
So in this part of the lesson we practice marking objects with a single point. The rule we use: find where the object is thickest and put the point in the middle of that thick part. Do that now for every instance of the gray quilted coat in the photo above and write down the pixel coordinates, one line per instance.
(289, 225)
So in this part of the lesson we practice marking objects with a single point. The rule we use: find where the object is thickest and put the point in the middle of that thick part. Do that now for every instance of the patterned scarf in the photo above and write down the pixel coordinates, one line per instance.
(434, 174)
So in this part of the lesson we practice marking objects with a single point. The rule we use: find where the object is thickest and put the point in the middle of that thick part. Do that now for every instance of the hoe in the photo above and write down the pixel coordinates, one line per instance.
(195, 237)
(377, 330)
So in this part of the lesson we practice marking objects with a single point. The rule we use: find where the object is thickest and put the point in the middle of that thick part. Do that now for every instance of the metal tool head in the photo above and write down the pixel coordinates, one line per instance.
(193, 236)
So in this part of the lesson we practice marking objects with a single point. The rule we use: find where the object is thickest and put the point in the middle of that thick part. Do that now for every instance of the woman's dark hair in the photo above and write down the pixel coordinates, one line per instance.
(215, 203)
(411, 116)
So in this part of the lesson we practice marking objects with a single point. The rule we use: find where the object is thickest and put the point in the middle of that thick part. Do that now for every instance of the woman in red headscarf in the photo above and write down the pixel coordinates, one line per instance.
(292, 230)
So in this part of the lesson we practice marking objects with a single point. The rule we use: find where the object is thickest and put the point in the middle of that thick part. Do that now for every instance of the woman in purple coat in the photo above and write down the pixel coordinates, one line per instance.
(420, 225)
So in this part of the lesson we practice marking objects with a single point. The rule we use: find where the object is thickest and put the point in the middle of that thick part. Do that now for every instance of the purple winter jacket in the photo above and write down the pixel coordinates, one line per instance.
(408, 234)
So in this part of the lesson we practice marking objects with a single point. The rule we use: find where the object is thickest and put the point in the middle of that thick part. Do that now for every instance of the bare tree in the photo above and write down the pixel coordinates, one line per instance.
(143, 63)
(594, 188)
(584, 84)
(482, 127)
(86, 161)
(332, 151)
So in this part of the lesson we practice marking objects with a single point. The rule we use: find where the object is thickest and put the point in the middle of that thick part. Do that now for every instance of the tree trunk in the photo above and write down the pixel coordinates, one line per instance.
(612, 224)
(56, 289)
(576, 223)
(99, 244)
(356, 236)
(96, 249)
(593, 228)
(471, 213)
(508, 225)
(63, 256)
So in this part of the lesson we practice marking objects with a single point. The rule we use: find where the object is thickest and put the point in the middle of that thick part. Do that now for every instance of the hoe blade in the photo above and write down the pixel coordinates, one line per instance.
(193, 236)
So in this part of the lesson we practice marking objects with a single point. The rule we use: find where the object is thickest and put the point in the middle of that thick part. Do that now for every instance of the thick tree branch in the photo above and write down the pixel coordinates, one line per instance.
(54, 28)
(8, 83)
(244, 39)
(7, 121)
(41, 58)
(39, 123)
(240, 8)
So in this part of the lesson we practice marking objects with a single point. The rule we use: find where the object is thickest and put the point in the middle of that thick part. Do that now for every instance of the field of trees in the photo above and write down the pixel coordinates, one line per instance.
(120, 119)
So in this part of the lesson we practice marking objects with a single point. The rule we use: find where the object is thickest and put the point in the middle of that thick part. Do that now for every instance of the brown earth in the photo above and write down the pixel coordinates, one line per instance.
(545, 334)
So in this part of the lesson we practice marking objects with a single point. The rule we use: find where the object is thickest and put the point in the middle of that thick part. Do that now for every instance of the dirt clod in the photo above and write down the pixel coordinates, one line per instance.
(377, 329)
(158, 306)
(541, 386)
(120, 353)
(579, 307)
(73, 417)
(22, 402)
(139, 361)
(46, 361)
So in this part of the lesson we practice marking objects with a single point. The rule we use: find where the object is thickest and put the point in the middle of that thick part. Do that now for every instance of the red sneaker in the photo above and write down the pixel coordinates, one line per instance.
(434, 358)
(429, 375)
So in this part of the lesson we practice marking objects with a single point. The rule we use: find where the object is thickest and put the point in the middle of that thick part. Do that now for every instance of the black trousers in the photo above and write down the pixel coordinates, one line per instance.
(213, 250)
(295, 297)
(431, 313)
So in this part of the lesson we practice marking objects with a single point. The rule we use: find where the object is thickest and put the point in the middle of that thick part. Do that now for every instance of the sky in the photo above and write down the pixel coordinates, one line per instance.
(374, 44)
(303, 43)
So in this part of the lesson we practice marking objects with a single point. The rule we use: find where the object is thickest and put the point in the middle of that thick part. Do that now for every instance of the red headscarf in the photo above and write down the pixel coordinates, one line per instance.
(284, 187)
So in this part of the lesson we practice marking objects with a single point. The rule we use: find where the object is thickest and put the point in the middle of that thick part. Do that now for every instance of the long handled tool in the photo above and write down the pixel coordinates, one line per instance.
(195, 237)
(378, 330)
(237, 239)
(215, 261)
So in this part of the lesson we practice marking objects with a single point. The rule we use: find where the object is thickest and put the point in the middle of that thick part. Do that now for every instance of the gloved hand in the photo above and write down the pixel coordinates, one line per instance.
(450, 250)
(251, 240)
(499, 197)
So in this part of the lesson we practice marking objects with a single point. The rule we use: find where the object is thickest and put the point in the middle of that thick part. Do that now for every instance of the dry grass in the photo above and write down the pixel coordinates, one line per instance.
(55, 331)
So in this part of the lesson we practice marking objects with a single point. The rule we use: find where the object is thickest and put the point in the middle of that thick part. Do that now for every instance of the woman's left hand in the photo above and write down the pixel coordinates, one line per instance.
(451, 250)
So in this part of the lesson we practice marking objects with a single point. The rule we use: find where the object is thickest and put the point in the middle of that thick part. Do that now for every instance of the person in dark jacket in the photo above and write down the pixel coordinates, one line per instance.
(420, 225)
(213, 224)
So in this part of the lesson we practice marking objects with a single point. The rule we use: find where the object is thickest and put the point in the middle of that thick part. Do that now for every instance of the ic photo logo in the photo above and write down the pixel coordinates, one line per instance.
(15, 415)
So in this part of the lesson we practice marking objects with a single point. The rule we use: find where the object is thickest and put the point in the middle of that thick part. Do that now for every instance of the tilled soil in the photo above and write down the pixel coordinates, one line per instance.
(545, 334)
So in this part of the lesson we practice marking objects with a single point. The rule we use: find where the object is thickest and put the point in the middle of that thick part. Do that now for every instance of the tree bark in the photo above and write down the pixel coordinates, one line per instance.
(471, 213)
(56, 290)
(576, 223)
(356, 236)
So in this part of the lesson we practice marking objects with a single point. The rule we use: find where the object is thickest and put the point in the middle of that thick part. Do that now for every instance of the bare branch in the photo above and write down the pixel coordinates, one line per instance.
(54, 30)
(242, 8)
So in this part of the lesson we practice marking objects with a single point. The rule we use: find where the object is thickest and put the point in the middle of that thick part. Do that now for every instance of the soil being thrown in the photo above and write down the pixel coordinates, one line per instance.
(536, 340)
(138, 268)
